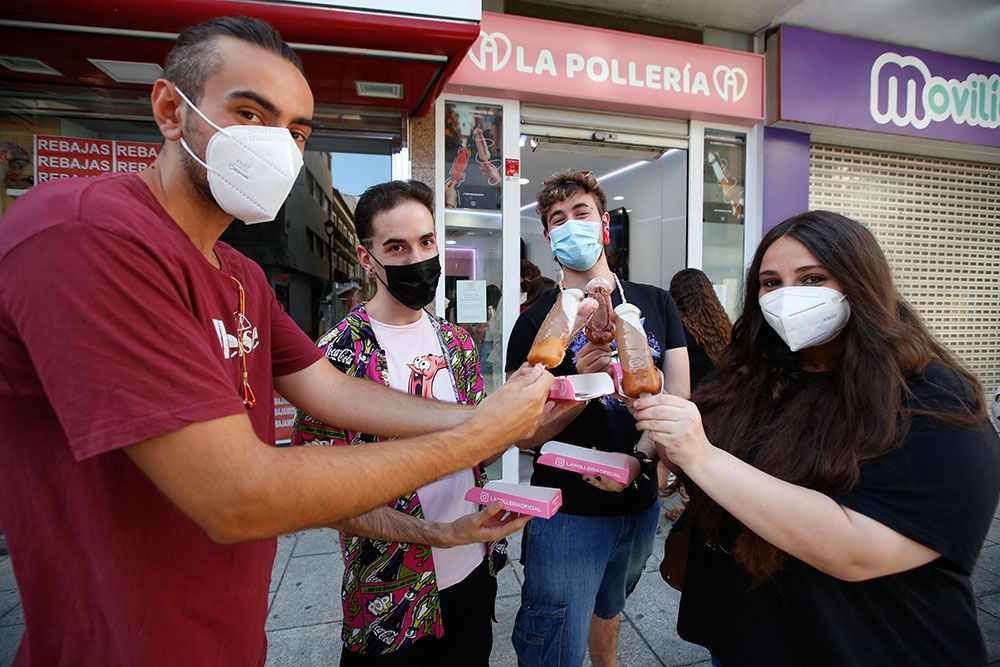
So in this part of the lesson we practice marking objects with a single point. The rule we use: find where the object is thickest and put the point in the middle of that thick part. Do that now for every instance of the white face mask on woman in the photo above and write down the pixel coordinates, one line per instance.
(805, 315)
(251, 168)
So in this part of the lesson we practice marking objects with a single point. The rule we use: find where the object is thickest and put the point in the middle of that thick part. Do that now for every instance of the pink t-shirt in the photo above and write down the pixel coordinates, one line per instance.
(114, 329)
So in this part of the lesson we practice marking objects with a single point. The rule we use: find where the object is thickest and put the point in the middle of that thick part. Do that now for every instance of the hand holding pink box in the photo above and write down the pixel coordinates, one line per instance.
(540, 501)
(613, 465)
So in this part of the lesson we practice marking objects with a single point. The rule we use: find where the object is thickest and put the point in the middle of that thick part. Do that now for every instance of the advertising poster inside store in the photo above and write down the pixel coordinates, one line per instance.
(27, 160)
(725, 170)
(473, 155)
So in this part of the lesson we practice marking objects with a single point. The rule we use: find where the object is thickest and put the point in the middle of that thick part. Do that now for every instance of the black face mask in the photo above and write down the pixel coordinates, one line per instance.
(413, 285)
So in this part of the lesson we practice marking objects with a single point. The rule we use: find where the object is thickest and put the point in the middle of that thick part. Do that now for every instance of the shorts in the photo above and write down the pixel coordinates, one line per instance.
(576, 567)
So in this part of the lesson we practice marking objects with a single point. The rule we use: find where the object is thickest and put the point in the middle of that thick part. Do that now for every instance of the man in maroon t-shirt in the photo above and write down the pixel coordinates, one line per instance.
(137, 357)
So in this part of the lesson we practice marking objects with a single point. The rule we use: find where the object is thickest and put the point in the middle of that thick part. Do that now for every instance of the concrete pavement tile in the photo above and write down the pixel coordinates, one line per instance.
(508, 583)
(8, 600)
(10, 639)
(7, 582)
(13, 616)
(994, 534)
(984, 582)
(662, 530)
(309, 593)
(990, 604)
(310, 646)
(317, 541)
(652, 609)
(514, 543)
(989, 558)
(503, 651)
(990, 626)
(286, 544)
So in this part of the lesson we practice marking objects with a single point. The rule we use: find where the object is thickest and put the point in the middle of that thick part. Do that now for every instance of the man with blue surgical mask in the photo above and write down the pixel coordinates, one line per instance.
(603, 534)
(138, 360)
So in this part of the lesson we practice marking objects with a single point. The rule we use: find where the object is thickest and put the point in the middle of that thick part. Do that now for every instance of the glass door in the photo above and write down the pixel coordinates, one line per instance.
(477, 178)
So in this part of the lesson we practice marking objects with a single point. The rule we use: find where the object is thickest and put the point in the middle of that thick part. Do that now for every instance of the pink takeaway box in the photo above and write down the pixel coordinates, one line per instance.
(613, 465)
(540, 501)
(581, 387)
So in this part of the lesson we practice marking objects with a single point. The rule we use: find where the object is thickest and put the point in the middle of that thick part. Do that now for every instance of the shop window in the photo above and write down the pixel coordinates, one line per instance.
(473, 256)
(723, 215)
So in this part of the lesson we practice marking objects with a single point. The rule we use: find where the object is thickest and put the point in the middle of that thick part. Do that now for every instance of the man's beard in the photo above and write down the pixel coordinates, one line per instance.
(196, 173)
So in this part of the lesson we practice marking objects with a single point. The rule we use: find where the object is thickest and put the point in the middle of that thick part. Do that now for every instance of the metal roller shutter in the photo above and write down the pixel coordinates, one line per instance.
(938, 222)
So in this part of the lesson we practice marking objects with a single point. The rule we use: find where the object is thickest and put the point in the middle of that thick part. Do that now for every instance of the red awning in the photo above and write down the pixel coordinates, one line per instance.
(337, 47)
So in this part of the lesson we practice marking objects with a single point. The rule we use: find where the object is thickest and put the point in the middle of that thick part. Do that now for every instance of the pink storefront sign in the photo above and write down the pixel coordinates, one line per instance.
(557, 63)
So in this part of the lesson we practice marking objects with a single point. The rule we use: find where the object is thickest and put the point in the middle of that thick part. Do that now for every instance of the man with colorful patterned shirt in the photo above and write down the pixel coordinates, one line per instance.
(420, 574)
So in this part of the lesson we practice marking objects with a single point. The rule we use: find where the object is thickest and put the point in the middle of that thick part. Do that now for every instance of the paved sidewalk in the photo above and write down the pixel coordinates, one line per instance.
(303, 623)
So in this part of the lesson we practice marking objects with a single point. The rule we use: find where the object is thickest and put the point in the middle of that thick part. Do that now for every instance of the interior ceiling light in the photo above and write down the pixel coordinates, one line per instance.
(618, 198)
(533, 142)
(450, 242)
(524, 181)
(124, 71)
(389, 91)
(27, 66)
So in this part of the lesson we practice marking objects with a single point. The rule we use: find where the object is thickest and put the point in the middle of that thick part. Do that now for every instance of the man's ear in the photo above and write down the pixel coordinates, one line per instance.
(167, 106)
(366, 259)
(606, 225)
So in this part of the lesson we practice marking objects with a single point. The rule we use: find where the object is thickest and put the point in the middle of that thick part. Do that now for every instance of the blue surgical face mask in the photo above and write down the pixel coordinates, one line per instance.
(577, 244)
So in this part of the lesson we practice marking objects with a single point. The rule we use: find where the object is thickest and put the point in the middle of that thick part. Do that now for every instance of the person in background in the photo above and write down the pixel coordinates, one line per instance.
(529, 272)
(491, 350)
(536, 288)
(707, 328)
(580, 565)
(140, 491)
(420, 573)
(842, 472)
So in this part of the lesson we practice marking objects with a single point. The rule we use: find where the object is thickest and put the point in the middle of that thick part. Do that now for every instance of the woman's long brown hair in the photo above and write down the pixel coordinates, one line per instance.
(816, 433)
(702, 314)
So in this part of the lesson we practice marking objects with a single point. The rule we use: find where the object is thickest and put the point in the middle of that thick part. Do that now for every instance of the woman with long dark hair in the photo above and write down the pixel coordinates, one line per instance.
(842, 472)
(706, 325)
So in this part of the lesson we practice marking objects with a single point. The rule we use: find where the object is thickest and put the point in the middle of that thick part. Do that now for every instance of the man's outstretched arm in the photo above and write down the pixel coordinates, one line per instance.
(330, 396)
(389, 525)
(237, 488)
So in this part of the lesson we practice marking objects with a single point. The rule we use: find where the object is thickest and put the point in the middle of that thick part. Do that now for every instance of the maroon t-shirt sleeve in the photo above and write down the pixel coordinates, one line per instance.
(291, 349)
(111, 334)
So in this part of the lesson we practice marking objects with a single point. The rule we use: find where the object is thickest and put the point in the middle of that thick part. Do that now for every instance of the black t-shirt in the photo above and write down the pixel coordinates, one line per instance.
(698, 359)
(939, 488)
(605, 423)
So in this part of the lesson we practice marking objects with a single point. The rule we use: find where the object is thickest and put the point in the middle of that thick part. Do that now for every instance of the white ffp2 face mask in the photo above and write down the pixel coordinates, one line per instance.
(251, 168)
(805, 316)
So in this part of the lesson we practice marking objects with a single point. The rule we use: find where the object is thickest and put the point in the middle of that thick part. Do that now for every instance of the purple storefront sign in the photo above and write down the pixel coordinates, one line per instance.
(839, 81)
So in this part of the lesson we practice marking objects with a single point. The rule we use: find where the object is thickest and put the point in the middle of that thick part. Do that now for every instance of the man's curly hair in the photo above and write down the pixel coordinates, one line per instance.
(562, 185)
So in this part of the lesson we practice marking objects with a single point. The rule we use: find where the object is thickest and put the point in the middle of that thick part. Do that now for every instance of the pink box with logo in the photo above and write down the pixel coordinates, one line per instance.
(581, 387)
(613, 465)
(540, 501)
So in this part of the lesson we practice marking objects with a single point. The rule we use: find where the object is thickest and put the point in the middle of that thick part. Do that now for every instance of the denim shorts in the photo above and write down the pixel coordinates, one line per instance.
(576, 567)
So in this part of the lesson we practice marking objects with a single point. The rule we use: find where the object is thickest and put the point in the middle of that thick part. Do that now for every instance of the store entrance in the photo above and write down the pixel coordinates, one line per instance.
(646, 190)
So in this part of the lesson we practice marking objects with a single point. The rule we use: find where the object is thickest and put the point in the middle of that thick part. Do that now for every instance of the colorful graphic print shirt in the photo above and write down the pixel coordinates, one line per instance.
(389, 593)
